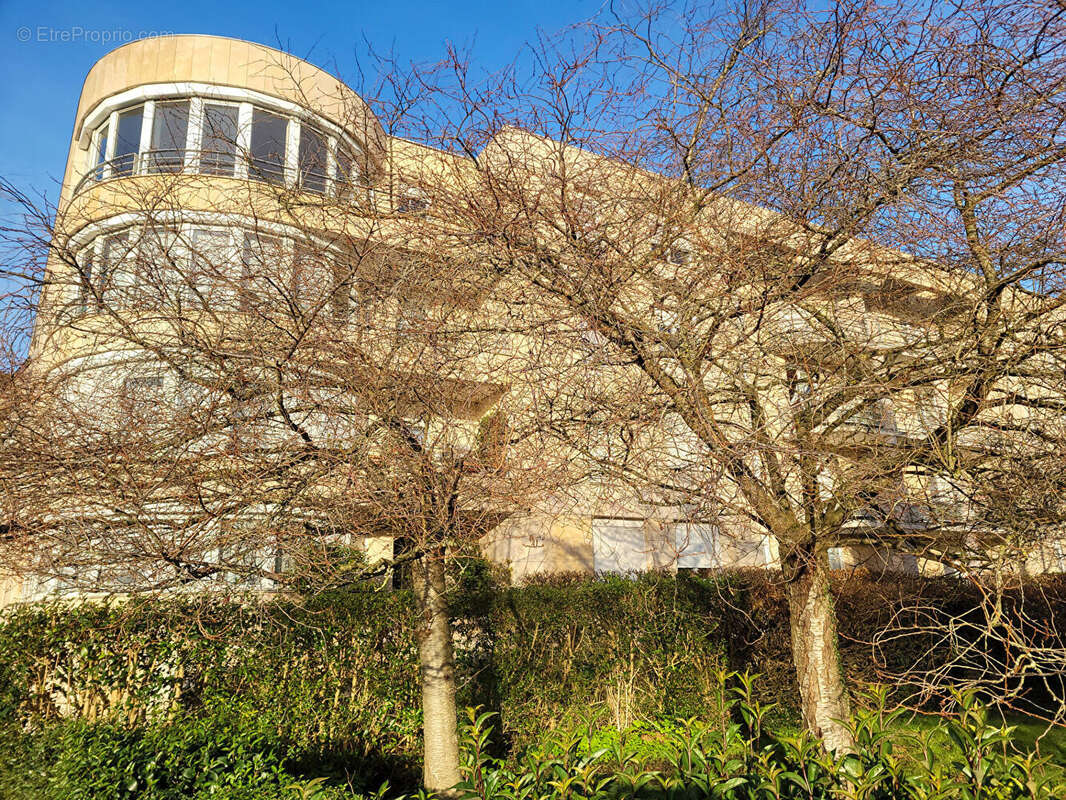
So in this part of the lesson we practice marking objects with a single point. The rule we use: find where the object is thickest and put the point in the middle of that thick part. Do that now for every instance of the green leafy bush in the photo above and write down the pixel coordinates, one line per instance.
(299, 689)
(745, 760)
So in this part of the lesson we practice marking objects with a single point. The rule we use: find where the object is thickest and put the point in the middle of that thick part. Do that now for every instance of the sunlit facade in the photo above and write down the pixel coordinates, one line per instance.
(223, 125)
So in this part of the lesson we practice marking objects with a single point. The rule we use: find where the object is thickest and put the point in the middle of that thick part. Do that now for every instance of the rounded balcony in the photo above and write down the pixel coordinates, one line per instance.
(220, 109)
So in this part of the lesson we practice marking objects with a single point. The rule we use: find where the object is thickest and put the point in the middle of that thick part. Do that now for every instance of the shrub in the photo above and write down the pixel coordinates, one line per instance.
(746, 760)
(327, 686)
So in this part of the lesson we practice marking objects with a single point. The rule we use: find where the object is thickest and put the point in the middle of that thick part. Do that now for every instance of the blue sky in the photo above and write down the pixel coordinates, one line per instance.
(49, 47)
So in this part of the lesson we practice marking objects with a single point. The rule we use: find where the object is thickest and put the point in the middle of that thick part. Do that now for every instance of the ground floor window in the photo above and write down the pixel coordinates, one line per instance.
(619, 546)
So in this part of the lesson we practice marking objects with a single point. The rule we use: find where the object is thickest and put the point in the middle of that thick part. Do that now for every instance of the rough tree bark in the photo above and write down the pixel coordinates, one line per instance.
(815, 653)
(436, 657)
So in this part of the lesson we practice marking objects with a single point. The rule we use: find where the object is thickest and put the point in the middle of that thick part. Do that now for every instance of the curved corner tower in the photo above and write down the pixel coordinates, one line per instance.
(207, 130)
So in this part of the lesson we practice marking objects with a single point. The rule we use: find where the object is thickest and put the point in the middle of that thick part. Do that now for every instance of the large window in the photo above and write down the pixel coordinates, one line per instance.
(267, 149)
(346, 172)
(696, 545)
(313, 162)
(127, 142)
(170, 128)
(142, 395)
(261, 259)
(223, 268)
(312, 279)
(105, 276)
(618, 546)
(210, 276)
(102, 140)
(216, 137)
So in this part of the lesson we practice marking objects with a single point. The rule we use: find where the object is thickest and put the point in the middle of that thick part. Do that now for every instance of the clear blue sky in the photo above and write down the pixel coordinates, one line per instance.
(43, 74)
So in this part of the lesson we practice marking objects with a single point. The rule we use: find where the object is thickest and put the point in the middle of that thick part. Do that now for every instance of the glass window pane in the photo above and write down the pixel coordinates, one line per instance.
(101, 149)
(313, 279)
(169, 128)
(312, 160)
(208, 281)
(618, 546)
(159, 269)
(127, 141)
(268, 147)
(345, 171)
(263, 280)
(110, 278)
(411, 200)
(219, 143)
(86, 277)
(142, 396)
(695, 545)
(345, 295)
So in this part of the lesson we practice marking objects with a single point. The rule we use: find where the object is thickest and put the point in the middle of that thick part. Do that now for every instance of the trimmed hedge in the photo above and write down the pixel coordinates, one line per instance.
(331, 681)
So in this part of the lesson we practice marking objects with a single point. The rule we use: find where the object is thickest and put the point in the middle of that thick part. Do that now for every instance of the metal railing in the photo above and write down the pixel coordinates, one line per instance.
(210, 162)
(227, 164)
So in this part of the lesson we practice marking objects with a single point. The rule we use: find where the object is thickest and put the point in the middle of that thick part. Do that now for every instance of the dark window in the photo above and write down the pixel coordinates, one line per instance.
(169, 128)
(313, 164)
(85, 278)
(677, 255)
(412, 201)
(313, 279)
(158, 273)
(344, 297)
(101, 148)
(268, 147)
(113, 253)
(345, 171)
(263, 260)
(218, 153)
(127, 142)
(874, 415)
(142, 384)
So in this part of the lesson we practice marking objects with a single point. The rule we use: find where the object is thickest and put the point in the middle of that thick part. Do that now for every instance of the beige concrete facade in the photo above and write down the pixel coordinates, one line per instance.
(584, 538)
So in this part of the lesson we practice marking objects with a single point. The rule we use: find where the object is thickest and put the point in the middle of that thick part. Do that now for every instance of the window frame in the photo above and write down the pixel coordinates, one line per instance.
(712, 552)
(229, 298)
(151, 153)
(339, 147)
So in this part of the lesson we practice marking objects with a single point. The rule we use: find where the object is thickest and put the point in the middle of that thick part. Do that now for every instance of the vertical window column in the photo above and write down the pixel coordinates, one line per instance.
(194, 142)
(87, 276)
(244, 139)
(103, 144)
(269, 138)
(145, 143)
(313, 162)
(169, 139)
(292, 152)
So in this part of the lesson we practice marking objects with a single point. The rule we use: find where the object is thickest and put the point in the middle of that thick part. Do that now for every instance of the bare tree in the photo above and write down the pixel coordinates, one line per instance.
(809, 268)
(244, 401)
(795, 273)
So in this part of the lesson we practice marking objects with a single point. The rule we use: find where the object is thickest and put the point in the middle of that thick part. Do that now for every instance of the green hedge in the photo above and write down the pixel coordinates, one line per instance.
(328, 685)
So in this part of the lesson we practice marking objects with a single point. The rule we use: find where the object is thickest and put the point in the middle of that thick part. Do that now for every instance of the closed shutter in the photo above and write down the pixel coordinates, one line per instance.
(618, 546)
(696, 545)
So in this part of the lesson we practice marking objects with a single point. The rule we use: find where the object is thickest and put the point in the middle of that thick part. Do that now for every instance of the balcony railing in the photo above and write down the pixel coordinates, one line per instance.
(208, 162)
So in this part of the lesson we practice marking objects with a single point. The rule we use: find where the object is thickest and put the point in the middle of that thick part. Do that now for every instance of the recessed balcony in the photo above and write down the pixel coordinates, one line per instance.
(236, 139)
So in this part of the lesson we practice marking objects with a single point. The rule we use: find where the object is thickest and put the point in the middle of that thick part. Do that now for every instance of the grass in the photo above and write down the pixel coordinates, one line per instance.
(1030, 735)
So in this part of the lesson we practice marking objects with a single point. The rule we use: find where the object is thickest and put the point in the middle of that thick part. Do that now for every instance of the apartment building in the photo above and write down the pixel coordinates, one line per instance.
(221, 138)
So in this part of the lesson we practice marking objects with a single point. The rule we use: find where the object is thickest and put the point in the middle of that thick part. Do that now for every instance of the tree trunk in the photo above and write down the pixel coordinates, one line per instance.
(436, 658)
(815, 652)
